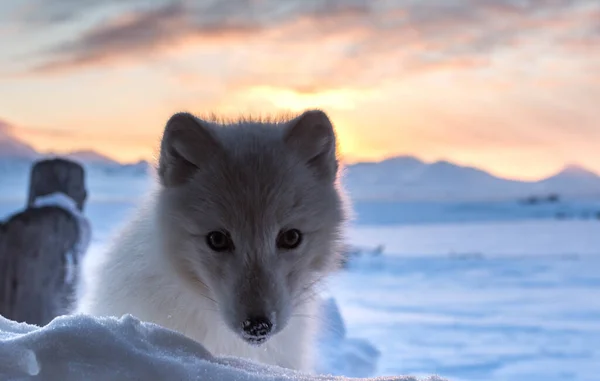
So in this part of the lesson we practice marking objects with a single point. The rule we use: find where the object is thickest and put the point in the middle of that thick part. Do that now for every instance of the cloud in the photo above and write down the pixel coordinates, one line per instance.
(48, 133)
(46, 13)
(326, 43)
(126, 35)
(461, 26)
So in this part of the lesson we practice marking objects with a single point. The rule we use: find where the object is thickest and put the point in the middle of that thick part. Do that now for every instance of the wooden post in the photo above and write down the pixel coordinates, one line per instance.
(38, 259)
(57, 175)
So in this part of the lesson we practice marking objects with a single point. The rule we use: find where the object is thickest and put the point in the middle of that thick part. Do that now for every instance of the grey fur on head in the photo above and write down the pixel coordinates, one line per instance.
(253, 180)
(188, 142)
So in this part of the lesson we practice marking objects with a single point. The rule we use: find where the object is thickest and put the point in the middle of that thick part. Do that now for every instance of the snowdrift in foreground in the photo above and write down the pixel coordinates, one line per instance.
(342, 355)
(74, 348)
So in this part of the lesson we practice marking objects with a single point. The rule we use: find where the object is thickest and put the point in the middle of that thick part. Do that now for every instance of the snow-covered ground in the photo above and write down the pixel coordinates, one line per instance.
(472, 318)
(526, 238)
(494, 301)
(76, 348)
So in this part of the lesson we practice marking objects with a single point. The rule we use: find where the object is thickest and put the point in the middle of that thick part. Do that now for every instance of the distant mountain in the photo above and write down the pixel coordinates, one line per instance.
(13, 148)
(91, 157)
(15, 155)
(570, 175)
(407, 178)
(402, 178)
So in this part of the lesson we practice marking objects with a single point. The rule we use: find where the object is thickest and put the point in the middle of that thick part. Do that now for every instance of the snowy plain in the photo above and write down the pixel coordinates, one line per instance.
(465, 298)
(75, 348)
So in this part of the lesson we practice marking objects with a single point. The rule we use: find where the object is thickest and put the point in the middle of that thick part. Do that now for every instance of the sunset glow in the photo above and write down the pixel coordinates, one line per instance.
(513, 89)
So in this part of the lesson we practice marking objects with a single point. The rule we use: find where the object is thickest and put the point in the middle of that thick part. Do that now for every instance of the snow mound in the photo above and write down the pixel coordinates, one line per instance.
(342, 355)
(80, 347)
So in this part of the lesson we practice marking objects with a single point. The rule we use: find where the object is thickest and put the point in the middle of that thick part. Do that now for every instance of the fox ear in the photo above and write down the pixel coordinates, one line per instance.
(186, 145)
(312, 137)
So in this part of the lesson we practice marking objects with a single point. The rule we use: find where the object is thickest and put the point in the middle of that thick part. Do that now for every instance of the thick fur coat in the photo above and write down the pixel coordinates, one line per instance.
(269, 190)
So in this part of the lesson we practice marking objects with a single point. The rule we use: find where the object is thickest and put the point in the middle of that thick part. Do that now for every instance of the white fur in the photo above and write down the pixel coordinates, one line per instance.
(134, 277)
(253, 180)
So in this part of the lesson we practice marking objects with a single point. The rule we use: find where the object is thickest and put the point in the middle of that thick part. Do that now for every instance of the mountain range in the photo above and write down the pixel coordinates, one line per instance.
(408, 178)
(402, 178)
(15, 153)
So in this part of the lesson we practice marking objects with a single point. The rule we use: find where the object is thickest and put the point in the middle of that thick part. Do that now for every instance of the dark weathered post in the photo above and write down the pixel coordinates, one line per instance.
(57, 175)
(39, 247)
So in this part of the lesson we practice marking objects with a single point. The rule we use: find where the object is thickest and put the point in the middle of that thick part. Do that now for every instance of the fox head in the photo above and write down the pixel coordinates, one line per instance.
(252, 214)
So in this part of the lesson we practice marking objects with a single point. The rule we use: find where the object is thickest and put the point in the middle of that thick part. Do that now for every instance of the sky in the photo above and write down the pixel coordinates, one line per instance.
(509, 86)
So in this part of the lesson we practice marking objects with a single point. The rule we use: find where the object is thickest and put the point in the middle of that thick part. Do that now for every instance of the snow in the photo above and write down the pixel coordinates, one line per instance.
(444, 212)
(506, 238)
(496, 318)
(495, 301)
(470, 291)
(78, 347)
(341, 355)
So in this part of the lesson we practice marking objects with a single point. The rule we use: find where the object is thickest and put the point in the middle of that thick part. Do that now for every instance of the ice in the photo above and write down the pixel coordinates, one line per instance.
(78, 347)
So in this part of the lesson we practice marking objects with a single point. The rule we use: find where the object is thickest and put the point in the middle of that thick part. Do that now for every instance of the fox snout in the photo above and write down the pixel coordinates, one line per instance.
(256, 329)
(259, 307)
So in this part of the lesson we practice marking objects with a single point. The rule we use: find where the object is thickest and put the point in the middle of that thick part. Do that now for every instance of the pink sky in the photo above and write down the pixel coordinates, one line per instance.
(511, 87)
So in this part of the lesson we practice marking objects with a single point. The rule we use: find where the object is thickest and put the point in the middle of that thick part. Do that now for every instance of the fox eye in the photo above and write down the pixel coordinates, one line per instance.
(289, 239)
(219, 241)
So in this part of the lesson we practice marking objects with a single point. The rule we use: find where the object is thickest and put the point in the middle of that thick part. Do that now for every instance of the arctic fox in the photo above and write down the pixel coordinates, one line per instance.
(245, 221)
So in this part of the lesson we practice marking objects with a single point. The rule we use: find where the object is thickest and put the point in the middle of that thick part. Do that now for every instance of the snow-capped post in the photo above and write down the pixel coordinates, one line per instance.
(41, 246)
(57, 175)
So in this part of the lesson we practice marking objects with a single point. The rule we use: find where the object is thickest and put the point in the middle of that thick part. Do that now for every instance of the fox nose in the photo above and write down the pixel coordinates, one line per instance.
(257, 326)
